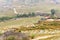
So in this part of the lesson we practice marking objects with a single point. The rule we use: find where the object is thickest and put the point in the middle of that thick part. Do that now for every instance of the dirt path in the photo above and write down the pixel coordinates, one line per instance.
(44, 37)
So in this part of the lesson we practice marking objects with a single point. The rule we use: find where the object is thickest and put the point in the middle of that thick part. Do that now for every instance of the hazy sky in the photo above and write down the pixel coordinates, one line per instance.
(16, 0)
(27, 1)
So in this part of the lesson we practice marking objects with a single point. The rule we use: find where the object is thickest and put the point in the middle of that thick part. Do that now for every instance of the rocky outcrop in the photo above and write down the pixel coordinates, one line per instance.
(11, 35)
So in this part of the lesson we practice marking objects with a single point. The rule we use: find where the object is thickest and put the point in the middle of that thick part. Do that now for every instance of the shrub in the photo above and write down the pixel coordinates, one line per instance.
(32, 35)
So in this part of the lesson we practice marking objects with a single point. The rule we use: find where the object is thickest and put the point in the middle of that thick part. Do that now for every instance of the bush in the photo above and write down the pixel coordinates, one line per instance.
(5, 18)
(25, 15)
(32, 35)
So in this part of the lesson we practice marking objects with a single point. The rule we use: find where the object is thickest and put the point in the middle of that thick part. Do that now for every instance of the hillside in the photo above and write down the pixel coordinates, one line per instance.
(29, 20)
(25, 6)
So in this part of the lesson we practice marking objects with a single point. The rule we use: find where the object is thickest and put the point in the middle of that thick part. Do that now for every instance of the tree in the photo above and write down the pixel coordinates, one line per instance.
(24, 15)
(3, 19)
(33, 14)
(52, 13)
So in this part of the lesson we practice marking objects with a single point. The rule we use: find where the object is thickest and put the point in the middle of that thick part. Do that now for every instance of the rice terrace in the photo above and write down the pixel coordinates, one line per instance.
(29, 19)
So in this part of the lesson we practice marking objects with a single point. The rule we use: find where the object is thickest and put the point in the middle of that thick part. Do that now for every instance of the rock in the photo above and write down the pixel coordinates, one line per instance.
(11, 35)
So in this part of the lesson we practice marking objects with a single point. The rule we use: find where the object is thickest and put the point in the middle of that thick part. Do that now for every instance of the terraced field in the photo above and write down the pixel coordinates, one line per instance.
(35, 30)
(17, 23)
(48, 31)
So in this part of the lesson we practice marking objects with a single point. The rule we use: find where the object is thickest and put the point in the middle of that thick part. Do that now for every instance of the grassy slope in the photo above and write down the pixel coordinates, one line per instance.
(18, 23)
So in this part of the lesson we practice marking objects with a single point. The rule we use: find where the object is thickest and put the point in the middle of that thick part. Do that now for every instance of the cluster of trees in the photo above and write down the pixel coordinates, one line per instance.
(5, 18)
(17, 16)
(26, 15)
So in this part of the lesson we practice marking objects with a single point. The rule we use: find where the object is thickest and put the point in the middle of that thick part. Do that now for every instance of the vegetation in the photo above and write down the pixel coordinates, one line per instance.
(17, 16)
(5, 18)
(40, 26)
(52, 13)
(37, 26)
(32, 35)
